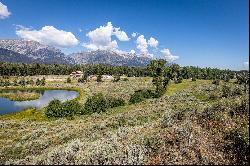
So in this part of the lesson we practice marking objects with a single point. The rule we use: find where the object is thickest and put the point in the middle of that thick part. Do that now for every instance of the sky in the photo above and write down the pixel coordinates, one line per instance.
(205, 33)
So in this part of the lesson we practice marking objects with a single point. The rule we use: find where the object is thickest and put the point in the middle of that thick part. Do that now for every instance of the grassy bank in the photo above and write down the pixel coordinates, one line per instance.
(20, 96)
(30, 114)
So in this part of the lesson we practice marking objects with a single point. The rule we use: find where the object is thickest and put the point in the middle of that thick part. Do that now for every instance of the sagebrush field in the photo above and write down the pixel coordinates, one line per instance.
(194, 122)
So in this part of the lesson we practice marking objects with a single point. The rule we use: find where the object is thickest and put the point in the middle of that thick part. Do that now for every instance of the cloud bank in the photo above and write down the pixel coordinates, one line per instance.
(49, 35)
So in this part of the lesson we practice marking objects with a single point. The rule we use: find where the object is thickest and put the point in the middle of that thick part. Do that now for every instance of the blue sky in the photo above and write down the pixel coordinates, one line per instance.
(206, 33)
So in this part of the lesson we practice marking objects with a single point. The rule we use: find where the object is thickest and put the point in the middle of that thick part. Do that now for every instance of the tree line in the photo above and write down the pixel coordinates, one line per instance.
(173, 71)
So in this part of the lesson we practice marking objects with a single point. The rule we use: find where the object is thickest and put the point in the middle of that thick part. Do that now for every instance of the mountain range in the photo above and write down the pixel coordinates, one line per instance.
(28, 51)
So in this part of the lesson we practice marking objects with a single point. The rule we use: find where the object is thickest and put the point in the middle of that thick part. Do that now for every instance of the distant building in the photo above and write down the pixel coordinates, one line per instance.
(76, 74)
(107, 77)
(104, 77)
(92, 77)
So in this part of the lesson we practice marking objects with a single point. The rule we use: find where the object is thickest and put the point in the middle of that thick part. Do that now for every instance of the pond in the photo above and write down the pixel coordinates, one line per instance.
(8, 106)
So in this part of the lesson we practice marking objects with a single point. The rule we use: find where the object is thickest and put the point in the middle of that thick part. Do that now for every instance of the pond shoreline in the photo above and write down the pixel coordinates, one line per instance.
(79, 90)
(23, 112)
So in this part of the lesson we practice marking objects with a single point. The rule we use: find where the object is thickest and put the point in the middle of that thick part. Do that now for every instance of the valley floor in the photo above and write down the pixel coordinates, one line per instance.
(192, 124)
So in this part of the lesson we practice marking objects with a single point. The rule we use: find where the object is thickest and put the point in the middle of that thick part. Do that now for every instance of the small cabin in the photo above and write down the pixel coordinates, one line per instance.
(107, 77)
(76, 74)
(92, 77)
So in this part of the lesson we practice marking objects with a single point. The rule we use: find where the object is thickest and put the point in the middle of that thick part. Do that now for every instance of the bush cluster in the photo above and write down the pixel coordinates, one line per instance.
(238, 147)
(95, 104)
(116, 78)
(216, 82)
(68, 80)
(84, 78)
(178, 80)
(99, 103)
(125, 79)
(40, 82)
(22, 82)
(193, 79)
(99, 78)
(140, 95)
(58, 109)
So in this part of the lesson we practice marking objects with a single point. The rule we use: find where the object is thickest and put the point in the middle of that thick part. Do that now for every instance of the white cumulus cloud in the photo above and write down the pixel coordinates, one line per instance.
(134, 34)
(121, 35)
(100, 38)
(142, 44)
(168, 56)
(4, 13)
(153, 42)
(49, 35)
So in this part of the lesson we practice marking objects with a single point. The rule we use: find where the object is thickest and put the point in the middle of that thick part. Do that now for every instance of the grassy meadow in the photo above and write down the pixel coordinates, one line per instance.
(194, 122)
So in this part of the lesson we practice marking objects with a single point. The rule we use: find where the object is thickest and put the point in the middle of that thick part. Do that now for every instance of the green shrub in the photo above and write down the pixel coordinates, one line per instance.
(237, 91)
(68, 80)
(125, 79)
(53, 109)
(165, 82)
(5, 83)
(99, 103)
(116, 78)
(226, 91)
(41, 82)
(22, 82)
(140, 95)
(58, 110)
(216, 82)
(193, 79)
(99, 78)
(82, 79)
(38, 82)
(214, 95)
(237, 144)
(113, 102)
(31, 82)
(178, 80)
(226, 79)
(96, 103)
(15, 82)
(242, 106)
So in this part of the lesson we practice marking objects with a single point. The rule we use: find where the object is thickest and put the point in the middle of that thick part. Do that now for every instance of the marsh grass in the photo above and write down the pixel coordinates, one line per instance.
(20, 96)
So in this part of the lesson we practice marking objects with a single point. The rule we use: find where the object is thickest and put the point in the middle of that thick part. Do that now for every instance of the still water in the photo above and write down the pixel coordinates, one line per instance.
(8, 106)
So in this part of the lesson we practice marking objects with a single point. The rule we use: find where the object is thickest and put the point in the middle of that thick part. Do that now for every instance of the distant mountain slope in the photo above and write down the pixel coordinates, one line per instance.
(109, 57)
(11, 56)
(27, 51)
(33, 51)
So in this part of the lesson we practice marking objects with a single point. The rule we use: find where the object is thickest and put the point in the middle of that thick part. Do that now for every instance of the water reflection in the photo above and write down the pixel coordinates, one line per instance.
(8, 106)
